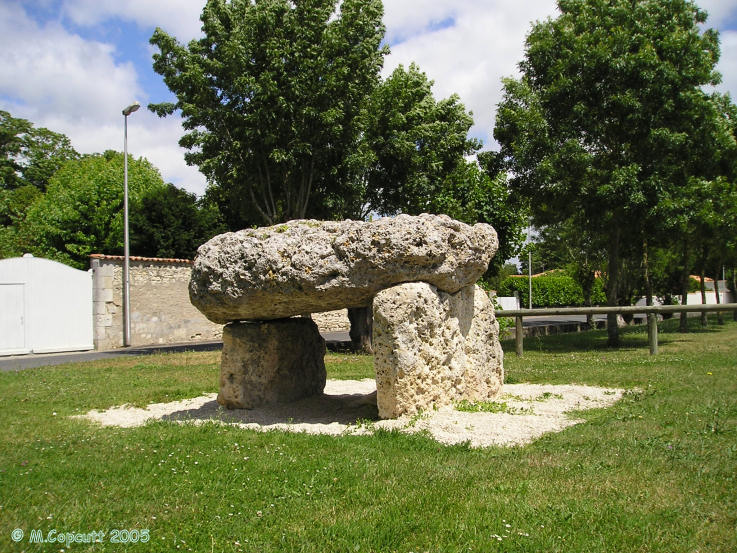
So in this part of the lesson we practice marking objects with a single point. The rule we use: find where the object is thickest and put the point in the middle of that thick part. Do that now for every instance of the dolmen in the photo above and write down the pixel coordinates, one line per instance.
(435, 336)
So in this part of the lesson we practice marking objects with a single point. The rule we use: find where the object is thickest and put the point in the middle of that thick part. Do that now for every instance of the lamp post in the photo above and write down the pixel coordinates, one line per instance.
(529, 279)
(529, 264)
(126, 242)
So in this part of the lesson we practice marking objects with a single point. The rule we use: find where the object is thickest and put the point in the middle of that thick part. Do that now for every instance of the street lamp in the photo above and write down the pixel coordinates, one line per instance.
(529, 263)
(126, 243)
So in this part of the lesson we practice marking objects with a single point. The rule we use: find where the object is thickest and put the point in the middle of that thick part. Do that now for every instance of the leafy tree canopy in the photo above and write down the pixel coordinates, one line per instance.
(271, 98)
(597, 125)
(29, 156)
(82, 210)
(171, 222)
(608, 93)
(415, 144)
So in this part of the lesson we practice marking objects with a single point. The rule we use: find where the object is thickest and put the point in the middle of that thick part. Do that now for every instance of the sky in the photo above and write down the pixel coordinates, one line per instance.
(73, 65)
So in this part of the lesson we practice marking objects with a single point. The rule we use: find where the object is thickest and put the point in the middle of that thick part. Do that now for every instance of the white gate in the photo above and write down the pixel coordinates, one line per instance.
(45, 306)
(12, 327)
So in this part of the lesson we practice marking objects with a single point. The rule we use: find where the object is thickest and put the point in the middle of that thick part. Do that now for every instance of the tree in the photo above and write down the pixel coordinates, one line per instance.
(170, 222)
(415, 144)
(30, 156)
(473, 194)
(271, 98)
(14, 205)
(695, 215)
(412, 159)
(597, 124)
(82, 210)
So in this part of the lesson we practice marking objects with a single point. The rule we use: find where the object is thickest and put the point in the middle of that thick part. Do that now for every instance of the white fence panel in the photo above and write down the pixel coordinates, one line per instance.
(47, 303)
(12, 324)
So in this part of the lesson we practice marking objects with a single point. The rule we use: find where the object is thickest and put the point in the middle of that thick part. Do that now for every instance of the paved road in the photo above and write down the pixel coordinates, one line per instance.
(335, 340)
(29, 361)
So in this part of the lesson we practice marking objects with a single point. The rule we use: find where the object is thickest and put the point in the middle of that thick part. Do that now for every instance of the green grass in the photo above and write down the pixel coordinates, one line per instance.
(490, 407)
(656, 472)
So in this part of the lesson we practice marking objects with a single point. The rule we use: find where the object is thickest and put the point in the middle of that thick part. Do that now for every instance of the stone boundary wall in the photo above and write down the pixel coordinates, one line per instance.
(161, 312)
(332, 321)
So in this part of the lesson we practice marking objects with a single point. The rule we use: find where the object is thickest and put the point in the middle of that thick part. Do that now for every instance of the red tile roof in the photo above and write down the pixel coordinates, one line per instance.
(143, 259)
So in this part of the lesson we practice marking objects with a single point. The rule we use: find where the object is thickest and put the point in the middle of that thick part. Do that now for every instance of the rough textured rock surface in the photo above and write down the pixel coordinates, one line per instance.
(311, 266)
(271, 362)
(432, 348)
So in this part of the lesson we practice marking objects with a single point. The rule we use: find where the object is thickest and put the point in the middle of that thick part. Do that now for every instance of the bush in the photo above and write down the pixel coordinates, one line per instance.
(551, 291)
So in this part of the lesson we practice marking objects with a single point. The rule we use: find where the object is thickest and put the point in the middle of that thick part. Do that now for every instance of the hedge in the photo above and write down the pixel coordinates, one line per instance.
(551, 291)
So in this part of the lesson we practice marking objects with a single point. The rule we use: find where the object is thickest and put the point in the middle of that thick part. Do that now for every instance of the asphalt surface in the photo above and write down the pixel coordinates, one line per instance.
(334, 340)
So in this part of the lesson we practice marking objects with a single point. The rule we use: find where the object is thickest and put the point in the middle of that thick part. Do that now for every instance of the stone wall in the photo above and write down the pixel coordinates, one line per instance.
(332, 321)
(161, 312)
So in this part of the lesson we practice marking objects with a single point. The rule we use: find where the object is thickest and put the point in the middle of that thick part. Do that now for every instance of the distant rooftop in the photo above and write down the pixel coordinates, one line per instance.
(141, 259)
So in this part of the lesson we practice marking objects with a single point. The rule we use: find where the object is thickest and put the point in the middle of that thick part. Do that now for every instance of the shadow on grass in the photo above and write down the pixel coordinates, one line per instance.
(323, 409)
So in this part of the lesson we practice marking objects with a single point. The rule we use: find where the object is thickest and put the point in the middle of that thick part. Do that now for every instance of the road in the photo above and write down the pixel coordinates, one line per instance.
(334, 340)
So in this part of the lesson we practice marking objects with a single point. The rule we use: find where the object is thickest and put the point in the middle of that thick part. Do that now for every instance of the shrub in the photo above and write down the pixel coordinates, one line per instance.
(551, 291)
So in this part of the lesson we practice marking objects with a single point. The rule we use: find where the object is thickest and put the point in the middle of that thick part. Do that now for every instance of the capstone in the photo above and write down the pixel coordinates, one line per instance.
(310, 266)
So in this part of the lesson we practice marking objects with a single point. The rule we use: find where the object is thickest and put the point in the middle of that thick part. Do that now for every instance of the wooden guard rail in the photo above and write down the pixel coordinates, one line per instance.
(650, 310)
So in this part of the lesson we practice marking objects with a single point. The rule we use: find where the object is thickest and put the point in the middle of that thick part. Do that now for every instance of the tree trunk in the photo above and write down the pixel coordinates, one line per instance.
(685, 281)
(648, 279)
(720, 315)
(702, 274)
(612, 295)
(587, 284)
(362, 323)
(734, 291)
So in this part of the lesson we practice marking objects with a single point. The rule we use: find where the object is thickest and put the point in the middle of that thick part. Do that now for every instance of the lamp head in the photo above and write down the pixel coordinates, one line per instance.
(131, 108)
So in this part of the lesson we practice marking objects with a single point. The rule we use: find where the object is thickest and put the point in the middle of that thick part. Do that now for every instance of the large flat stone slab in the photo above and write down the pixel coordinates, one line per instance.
(271, 362)
(432, 348)
(314, 266)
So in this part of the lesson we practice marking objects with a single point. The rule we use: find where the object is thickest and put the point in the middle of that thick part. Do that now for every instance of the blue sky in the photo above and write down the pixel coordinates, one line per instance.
(73, 65)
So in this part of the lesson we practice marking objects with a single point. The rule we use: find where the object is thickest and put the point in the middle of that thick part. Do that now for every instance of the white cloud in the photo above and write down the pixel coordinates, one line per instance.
(728, 64)
(58, 80)
(404, 18)
(178, 17)
(486, 42)
(720, 11)
(157, 140)
(469, 58)
(53, 71)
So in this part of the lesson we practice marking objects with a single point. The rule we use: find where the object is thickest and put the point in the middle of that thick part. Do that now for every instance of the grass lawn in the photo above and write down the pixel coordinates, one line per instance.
(656, 472)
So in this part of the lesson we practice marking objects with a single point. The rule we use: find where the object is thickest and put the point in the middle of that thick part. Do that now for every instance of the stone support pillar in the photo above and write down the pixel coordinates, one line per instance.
(432, 348)
(271, 362)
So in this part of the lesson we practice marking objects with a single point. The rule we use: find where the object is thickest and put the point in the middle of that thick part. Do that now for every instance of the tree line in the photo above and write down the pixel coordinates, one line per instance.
(624, 155)
(612, 142)
(58, 204)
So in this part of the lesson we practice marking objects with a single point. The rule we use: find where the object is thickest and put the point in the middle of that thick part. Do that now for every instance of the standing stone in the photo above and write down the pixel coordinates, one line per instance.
(312, 266)
(432, 348)
(484, 355)
(271, 362)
